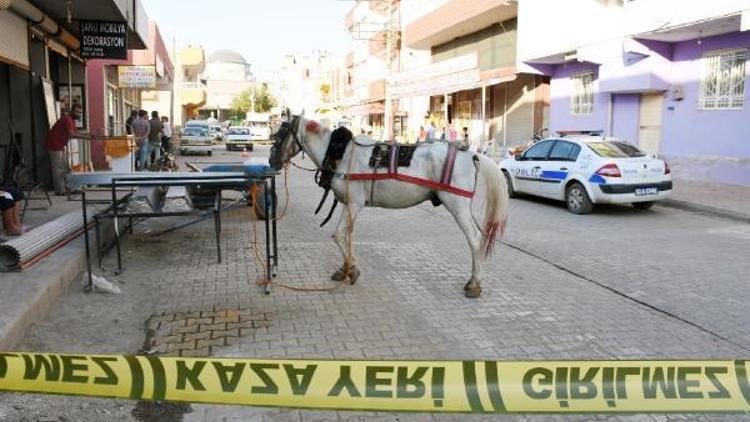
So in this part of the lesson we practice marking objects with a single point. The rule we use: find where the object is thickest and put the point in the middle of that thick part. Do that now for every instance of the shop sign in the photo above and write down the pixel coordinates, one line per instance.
(136, 76)
(104, 40)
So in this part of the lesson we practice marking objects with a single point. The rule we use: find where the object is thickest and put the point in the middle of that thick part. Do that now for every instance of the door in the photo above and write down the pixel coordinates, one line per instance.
(528, 171)
(649, 131)
(556, 169)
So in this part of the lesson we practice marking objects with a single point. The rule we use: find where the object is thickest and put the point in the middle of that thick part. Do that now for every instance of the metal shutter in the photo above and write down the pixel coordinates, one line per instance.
(520, 111)
(14, 40)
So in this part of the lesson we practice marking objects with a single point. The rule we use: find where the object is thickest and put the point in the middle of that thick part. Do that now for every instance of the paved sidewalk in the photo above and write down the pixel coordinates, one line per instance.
(729, 201)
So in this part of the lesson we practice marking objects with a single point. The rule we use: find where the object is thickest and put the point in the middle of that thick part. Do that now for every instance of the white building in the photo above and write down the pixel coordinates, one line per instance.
(227, 74)
(305, 83)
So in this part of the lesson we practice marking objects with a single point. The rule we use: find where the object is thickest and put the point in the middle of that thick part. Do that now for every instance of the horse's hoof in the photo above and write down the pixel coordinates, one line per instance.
(472, 292)
(353, 275)
(472, 289)
(338, 275)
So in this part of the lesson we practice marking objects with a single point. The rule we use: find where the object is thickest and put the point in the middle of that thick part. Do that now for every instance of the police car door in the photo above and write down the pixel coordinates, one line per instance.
(529, 169)
(557, 167)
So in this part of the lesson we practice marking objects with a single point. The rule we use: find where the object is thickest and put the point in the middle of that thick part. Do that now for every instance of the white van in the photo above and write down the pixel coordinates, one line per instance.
(260, 127)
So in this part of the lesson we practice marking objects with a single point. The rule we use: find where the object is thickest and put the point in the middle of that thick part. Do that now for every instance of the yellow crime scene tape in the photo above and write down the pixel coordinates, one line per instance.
(393, 386)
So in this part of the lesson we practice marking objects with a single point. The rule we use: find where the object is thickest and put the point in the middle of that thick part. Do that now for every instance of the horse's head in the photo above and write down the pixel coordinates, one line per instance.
(286, 141)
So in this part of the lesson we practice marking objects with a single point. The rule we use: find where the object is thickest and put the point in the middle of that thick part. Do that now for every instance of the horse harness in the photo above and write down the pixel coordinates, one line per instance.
(384, 155)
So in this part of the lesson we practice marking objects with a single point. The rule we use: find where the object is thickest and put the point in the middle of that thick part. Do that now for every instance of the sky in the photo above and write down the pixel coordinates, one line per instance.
(263, 31)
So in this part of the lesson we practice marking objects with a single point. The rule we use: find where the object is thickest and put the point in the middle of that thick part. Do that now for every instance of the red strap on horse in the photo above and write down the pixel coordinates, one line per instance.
(411, 179)
(450, 161)
(393, 174)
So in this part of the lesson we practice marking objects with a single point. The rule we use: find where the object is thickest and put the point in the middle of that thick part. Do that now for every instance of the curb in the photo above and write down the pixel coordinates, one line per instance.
(705, 209)
(32, 293)
(29, 295)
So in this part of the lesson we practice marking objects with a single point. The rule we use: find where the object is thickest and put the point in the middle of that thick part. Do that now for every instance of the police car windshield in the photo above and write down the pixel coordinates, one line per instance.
(615, 149)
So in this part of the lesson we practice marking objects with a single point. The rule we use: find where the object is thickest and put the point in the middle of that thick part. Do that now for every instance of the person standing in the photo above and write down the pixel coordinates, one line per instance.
(466, 136)
(140, 131)
(431, 132)
(129, 122)
(166, 134)
(57, 139)
(154, 137)
(452, 134)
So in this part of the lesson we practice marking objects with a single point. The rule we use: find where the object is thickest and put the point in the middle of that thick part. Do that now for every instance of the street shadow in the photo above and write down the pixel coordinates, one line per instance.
(613, 210)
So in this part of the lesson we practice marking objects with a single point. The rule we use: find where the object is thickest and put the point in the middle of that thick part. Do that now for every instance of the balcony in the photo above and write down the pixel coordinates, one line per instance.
(457, 18)
(376, 90)
(192, 94)
(193, 59)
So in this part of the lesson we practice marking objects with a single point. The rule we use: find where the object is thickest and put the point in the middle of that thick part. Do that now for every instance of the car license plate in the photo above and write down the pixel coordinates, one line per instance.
(646, 191)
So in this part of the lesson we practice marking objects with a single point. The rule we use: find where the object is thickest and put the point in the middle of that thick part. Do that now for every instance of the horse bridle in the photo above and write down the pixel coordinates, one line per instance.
(285, 130)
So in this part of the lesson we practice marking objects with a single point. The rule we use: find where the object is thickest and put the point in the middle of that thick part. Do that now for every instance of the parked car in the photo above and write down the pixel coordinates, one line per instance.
(238, 137)
(588, 170)
(196, 137)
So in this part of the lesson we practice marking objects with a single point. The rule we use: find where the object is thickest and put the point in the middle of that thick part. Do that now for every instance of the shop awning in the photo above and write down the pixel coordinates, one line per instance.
(459, 74)
(366, 109)
(438, 78)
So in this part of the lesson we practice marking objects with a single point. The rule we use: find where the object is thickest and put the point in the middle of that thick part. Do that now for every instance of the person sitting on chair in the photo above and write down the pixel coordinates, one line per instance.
(10, 205)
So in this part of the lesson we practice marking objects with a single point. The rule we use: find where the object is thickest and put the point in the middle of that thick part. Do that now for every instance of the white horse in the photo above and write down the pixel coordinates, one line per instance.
(481, 218)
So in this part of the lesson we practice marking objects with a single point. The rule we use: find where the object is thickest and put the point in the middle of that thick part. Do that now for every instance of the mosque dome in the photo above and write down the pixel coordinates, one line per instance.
(226, 56)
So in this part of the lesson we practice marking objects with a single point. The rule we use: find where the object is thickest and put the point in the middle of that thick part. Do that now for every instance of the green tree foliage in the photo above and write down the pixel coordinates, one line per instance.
(243, 102)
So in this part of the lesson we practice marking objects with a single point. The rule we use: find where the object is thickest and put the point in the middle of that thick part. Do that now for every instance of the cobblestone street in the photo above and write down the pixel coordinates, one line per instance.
(616, 284)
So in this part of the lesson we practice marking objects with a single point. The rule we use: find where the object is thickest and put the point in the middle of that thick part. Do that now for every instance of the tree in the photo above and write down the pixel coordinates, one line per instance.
(258, 99)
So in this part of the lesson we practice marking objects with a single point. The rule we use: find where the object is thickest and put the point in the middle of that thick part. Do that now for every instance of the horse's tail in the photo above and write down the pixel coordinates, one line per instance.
(496, 203)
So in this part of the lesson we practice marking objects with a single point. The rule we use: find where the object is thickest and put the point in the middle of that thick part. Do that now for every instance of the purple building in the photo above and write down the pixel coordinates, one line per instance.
(678, 91)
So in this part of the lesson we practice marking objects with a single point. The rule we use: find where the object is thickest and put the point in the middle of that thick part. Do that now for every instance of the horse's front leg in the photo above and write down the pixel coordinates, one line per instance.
(343, 236)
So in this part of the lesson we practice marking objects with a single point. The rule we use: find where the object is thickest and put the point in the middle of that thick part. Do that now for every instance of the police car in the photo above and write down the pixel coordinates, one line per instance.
(588, 170)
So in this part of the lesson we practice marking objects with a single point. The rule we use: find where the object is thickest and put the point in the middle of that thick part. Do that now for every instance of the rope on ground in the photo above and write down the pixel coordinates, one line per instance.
(266, 279)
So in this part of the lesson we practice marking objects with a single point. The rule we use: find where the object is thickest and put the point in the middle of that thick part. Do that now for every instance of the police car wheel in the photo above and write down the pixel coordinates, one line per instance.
(509, 183)
(577, 199)
(643, 205)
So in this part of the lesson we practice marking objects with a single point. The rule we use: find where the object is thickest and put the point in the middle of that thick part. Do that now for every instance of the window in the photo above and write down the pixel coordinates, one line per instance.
(723, 80)
(615, 149)
(582, 100)
(564, 151)
(538, 151)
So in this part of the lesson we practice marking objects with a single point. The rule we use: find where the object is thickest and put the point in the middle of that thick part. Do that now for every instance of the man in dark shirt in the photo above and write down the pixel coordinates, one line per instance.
(129, 122)
(154, 136)
(57, 140)
(141, 129)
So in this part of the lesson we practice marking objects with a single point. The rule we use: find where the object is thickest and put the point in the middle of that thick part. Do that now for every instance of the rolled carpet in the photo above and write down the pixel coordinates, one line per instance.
(24, 248)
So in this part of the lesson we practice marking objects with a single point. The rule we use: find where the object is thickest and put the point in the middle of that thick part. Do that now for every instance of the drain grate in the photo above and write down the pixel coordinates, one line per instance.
(198, 333)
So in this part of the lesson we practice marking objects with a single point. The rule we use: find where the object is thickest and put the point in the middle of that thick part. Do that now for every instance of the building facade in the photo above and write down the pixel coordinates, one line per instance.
(461, 75)
(190, 89)
(41, 69)
(667, 75)
(306, 83)
(375, 28)
(227, 74)
(112, 97)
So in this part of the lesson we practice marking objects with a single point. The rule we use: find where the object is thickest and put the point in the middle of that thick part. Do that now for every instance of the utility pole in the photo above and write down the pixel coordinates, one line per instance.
(388, 115)
(173, 92)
